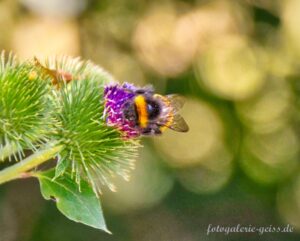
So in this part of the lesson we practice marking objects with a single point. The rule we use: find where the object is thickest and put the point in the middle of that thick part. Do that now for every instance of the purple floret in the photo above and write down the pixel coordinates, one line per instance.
(115, 98)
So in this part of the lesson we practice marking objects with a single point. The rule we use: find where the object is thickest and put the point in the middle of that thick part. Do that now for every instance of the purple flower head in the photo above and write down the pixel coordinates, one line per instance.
(116, 96)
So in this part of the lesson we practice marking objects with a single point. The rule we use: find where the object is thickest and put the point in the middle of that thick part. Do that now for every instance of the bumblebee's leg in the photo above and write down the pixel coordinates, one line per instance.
(157, 131)
(146, 131)
(151, 130)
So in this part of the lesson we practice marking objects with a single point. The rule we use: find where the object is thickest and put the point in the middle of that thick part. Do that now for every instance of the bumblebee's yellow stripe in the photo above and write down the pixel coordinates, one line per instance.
(141, 107)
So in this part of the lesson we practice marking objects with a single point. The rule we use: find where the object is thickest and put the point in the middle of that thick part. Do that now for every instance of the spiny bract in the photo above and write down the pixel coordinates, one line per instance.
(92, 149)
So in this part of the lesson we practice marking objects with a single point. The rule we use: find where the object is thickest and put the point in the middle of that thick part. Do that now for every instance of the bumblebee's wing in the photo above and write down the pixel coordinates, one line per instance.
(176, 101)
(148, 89)
(178, 124)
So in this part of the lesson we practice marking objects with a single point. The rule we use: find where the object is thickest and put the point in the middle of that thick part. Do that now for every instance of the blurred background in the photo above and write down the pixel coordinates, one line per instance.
(237, 64)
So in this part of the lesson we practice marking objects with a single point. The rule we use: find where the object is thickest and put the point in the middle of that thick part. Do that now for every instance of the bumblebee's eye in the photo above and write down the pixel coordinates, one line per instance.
(153, 109)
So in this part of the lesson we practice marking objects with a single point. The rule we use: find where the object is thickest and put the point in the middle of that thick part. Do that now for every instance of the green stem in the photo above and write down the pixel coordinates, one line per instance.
(17, 170)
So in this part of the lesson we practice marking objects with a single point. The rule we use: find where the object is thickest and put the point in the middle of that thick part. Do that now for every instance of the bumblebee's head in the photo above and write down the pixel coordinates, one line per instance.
(153, 108)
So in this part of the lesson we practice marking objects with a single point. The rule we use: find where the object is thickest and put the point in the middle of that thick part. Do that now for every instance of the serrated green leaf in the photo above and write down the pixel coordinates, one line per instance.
(80, 206)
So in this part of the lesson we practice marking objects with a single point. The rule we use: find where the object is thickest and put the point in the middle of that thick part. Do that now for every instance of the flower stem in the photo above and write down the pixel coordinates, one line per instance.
(17, 170)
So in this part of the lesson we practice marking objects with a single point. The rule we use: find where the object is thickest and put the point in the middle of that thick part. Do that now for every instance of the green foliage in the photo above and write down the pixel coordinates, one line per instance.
(57, 108)
(83, 206)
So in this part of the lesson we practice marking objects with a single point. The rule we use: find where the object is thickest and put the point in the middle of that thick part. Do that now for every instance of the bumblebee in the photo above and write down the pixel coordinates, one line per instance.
(152, 113)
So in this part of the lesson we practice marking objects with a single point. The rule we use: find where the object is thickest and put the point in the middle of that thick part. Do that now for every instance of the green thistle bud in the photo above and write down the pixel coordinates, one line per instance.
(24, 106)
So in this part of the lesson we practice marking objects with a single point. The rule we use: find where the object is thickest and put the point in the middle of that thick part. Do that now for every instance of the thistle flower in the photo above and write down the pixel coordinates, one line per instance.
(57, 110)
(116, 96)
(91, 149)
(36, 110)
